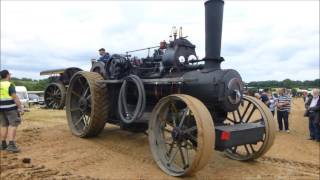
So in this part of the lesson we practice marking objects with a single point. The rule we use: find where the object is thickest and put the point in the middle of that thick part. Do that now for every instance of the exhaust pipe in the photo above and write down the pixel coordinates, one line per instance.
(213, 33)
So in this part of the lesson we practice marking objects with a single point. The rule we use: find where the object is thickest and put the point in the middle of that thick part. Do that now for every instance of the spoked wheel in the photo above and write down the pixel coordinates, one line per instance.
(252, 110)
(181, 134)
(54, 96)
(87, 104)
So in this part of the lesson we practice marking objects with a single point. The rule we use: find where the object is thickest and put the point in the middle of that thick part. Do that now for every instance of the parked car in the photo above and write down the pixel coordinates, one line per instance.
(33, 99)
(41, 100)
(36, 97)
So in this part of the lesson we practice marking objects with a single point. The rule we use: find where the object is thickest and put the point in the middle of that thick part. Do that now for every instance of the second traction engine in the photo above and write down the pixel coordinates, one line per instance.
(187, 106)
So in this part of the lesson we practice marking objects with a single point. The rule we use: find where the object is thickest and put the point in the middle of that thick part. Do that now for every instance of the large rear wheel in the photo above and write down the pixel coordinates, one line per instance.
(181, 134)
(252, 110)
(87, 104)
(54, 96)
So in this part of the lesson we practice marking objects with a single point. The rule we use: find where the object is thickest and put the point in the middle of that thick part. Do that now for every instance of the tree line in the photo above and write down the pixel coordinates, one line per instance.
(287, 83)
(40, 85)
(30, 84)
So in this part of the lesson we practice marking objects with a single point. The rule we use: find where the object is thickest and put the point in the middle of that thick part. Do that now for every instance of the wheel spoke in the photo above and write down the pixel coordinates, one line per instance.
(234, 117)
(234, 150)
(252, 149)
(75, 109)
(248, 152)
(85, 92)
(240, 117)
(50, 103)
(182, 158)
(173, 155)
(187, 155)
(171, 148)
(246, 110)
(75, 93)
(192, 137)
(190, 129)
(49, 93)
(85, 120)
(80, 119)
(185, 112)
(58, 92)
(251, 112)
(81, 84)
(163, 119)
(174, 108)
(189, 143)
(231, 120)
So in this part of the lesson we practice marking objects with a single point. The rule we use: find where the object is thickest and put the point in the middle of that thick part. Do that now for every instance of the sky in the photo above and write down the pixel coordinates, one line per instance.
(265, 40)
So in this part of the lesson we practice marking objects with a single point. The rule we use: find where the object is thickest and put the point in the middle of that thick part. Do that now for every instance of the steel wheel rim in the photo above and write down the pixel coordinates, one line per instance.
(251, 110)
(184, 145)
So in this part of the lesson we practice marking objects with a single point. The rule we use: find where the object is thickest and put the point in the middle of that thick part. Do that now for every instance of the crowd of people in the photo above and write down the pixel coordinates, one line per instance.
(281, 103)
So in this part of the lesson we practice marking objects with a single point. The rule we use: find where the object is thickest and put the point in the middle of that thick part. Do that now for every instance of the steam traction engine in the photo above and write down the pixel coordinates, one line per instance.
(55, 92)
(188, 107)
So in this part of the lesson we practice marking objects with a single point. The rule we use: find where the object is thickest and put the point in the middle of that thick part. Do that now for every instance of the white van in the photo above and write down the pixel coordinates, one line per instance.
(22, 93)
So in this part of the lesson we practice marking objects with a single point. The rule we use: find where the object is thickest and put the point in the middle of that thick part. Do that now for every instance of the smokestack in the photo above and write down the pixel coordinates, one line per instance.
(213, 32)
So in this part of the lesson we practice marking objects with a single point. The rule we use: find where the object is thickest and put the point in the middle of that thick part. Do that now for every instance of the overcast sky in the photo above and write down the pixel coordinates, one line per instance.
(268, 40)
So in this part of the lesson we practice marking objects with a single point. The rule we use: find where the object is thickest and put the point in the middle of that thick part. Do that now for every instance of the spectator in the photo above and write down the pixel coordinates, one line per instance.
(313, 112)
(272, 103)
(305, 96)
(282, 110)
(257, 95)
(289, 94)
(264, 97)
(104, 56)
(308, 97)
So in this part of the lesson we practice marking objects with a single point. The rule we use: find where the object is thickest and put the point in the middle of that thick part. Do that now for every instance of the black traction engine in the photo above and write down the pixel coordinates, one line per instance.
(187, 106)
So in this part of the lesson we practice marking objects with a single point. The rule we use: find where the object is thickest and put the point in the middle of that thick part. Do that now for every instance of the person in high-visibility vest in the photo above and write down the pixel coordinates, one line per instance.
(10, 113)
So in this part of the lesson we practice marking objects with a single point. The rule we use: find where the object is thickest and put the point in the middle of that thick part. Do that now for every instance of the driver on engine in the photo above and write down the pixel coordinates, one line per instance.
(104, 56)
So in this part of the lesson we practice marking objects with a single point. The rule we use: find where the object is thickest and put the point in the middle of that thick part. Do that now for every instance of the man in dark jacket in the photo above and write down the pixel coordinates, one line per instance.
(104, 56)
(313, 112)
(264, 97)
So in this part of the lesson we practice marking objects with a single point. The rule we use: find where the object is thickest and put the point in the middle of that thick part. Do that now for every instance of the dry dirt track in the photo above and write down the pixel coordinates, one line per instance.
(56, 154)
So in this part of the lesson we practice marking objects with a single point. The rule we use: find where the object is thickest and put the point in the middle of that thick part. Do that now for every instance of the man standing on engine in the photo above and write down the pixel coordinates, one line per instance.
(104, 56)
(10, 113)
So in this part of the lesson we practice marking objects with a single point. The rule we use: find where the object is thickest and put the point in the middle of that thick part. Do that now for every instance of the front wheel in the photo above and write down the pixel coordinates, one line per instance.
(181, 134)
